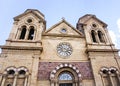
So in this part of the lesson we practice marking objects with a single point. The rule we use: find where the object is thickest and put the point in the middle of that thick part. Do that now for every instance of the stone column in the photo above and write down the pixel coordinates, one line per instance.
(28, 84)
(18, 33)
(15, 80)
(97, 38)
(102, 80)
(56, 83)
(27, 33)
(52, 83)
(34, 36)
(34, 71)
(79, 82)
(3, 80)
(26, 80)
(111, 80)
(117, 73)
(75, 83)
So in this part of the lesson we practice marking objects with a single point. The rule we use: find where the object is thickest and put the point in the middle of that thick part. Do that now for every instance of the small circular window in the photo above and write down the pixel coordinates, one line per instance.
(94, 25)
(11, 72)
(63, 30)
(29, 20)
(22, 72)
(113, 71)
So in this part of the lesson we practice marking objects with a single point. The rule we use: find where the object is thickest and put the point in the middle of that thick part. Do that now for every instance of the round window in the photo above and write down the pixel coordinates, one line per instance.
(29, 20)
(22, 72)
(11, 72)
(64, 49)
(63, 30)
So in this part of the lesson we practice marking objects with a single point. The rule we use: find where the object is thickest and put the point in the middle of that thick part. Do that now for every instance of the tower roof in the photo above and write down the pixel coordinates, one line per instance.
(82, 19)
(34, 11)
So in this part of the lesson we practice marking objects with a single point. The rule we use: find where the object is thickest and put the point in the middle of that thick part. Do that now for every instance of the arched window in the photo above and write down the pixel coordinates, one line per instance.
(65, 76)
(22, 72)
(105, 77)
(110, 77)
(11, 72)
(101, 36)
(31, 33)
(93, 36)
(66, 79)
(114, 76)
(21, 76)
(23, 32)
(15, 76)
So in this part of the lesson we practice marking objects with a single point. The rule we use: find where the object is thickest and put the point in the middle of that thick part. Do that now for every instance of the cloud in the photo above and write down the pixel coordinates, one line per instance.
(118, 24)
(113, 37)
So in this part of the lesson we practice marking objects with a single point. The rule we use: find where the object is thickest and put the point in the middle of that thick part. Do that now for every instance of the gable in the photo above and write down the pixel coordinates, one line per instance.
(34, 12)
(63, 28)
(91, 18)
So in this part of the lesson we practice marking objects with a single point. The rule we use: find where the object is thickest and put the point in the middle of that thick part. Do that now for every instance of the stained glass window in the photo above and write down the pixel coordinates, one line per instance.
(65, 76)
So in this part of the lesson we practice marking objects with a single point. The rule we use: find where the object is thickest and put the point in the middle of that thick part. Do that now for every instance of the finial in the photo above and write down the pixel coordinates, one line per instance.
(63, 18)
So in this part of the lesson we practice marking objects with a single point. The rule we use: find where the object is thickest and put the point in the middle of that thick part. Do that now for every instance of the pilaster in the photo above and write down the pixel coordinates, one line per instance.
(34, 72)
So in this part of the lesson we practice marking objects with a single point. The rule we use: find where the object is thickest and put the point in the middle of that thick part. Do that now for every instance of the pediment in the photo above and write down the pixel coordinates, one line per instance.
(91, 18)
(33, 12)
(63, 28)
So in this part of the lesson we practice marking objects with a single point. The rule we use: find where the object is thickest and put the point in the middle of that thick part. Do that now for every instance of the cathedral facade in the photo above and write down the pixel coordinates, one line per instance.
(62, 55)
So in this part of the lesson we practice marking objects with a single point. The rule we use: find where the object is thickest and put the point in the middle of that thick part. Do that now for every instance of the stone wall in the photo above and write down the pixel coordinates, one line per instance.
(45, 69)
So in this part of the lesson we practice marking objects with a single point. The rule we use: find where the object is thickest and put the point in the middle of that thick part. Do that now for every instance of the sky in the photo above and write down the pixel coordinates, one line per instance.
(54, 10)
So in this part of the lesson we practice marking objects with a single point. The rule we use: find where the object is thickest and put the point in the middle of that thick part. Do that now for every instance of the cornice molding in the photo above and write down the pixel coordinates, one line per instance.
(24, 41)
(21, 48)
(62, 35)
(102, 50)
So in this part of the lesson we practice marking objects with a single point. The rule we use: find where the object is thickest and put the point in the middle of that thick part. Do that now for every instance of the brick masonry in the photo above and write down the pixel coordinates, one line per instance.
(45, 69)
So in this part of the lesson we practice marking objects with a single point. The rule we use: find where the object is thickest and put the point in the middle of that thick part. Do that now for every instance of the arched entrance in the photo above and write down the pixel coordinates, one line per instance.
(65, 75)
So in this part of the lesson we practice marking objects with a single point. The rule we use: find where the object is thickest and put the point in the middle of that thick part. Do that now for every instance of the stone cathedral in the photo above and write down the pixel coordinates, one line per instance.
(62, 55)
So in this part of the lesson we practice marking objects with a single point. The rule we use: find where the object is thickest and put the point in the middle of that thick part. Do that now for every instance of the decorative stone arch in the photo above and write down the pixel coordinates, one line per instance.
(11, 68)
(103, 70)
(22, 68)
(25, 33)
(10, 71)
(11, 76)
(68, 68)
(8, 76)
(110, 76)
(113, 70)
(22, 71)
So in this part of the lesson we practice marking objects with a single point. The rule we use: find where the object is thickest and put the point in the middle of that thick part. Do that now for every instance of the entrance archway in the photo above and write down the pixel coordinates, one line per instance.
(65, 75)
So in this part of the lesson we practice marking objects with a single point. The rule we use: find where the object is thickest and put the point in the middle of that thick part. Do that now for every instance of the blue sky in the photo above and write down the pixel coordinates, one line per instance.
(106, 10)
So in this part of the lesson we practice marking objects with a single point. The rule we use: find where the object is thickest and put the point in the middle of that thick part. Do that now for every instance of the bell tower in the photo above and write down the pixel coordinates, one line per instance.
(23, 49)
(94, 29)
(100, 50)
(27, 29)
